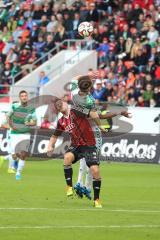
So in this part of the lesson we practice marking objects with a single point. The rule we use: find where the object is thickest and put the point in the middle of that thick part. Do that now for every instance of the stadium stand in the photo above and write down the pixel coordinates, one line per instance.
(127, 36)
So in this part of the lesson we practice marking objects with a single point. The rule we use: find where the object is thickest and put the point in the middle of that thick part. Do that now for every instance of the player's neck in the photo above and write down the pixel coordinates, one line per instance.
(24, 104)
(66, 113)
(82, 93)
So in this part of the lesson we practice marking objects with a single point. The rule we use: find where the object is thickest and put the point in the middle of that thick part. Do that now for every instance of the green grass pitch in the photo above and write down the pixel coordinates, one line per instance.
(36, 207)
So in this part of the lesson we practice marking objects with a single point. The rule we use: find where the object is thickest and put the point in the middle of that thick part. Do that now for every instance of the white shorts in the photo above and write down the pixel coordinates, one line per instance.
(19, 143)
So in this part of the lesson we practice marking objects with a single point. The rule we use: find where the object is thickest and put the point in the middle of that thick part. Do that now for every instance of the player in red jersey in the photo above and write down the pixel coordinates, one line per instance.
(83, 145)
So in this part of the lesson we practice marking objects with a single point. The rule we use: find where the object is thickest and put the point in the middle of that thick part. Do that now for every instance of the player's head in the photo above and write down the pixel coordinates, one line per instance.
(85, 84)
(23, 96)
(61, 106)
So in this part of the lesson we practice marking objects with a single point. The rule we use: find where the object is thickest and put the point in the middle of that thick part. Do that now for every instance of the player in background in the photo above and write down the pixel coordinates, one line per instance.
(12, 163)
(83, 144)
(20, 119)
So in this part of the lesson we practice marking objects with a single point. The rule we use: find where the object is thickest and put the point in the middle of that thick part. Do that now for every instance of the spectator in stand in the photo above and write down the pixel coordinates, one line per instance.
(99, 92)
(11, 56)
(68, 25)
(75, 22)
(6, 76)
(148, 94)
(128, 48)
(46, 123)
(120, 67)
(103, 51)
(2, 45)
(16, 68)
(43, 79)
(49, 44)
(40, 46)
(120, 47)
(152, 103)
(60, 35)
(135, 48)
(53, 24)
(141, 60)
(92, 15)
(152, 35)
(151, 67)
(130, 80)
(140, 102)
(112, 78)
(126, 32)
(24, 57)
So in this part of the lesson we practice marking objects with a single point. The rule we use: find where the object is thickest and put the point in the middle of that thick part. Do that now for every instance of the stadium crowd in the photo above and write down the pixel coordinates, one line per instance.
(127, 41)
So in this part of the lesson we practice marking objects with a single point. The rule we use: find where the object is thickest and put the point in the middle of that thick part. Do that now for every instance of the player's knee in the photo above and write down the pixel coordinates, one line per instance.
(95, 171)
(14, 156)
(23, 155)
(67, 160)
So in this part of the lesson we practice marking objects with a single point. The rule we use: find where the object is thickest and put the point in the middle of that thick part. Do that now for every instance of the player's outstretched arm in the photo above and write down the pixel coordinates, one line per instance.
(51, 145)
(111, 115)
(94, 115)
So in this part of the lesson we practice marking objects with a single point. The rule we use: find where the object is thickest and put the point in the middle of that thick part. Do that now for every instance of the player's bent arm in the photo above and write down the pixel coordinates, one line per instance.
(10, 123)
(51, 145)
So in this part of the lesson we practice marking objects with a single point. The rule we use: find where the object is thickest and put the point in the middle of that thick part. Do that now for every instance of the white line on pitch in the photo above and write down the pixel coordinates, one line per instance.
(81, 209)
(80, 226)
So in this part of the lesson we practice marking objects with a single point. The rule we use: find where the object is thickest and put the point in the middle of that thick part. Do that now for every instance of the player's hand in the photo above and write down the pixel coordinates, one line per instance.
(103, 130)
(30, 123)
(50, 151)
(126, 114)
(93, 75)
(78, 77)
(26, 123)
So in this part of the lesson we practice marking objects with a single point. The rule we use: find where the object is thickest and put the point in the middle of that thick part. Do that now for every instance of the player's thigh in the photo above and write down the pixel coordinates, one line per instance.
(23, 155)
(19, 145)
(68, 158)
(91, 155)
(23, 145)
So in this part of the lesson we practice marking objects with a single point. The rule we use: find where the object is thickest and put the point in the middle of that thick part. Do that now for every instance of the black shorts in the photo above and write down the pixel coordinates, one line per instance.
(90, 153)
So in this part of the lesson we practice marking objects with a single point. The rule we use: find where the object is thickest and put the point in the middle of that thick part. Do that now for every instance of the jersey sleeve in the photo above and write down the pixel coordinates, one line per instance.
(10, 112)
(59, 129)
(74, 85)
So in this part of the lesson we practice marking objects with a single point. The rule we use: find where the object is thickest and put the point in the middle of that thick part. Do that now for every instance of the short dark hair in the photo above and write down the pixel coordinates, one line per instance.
(84, 83)
(23, 91)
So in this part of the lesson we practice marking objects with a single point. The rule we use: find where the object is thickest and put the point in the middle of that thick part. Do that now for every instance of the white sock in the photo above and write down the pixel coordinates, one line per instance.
(11, 161)
(89, 179)
(21, 164)
(82, 170)
(6, 157)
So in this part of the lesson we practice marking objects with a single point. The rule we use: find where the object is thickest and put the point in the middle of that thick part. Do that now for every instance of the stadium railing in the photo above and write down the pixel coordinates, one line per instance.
(77, 45)
(73, 44)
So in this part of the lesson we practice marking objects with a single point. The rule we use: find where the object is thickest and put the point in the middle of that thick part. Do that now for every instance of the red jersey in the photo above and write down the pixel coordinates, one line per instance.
(45, 124)
(80, 129)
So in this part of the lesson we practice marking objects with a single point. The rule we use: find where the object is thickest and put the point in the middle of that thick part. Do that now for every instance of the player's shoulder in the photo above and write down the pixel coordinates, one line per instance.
(15, 105)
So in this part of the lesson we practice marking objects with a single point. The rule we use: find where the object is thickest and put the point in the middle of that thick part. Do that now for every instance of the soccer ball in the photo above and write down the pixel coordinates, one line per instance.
(85, 29)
